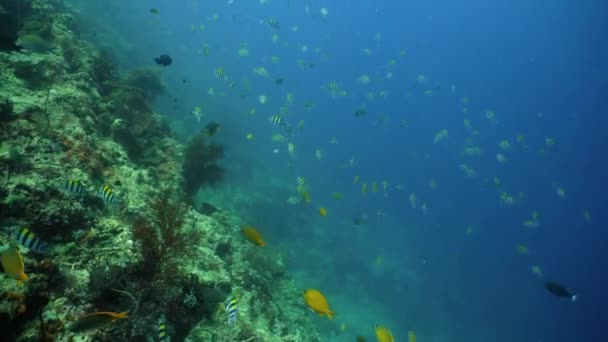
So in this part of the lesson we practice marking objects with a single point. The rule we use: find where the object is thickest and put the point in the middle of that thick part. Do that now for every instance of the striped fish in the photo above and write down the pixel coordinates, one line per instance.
(107, 194)
(29, 240)
(231, 309)
(163, 336)
(276, 120)
(74, 187)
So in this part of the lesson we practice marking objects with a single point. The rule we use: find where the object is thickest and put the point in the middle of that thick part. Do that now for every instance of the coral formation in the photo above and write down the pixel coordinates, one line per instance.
(200, 163)
(68, 114)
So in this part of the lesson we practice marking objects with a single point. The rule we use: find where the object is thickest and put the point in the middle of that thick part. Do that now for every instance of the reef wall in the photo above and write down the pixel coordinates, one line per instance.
(92, 171)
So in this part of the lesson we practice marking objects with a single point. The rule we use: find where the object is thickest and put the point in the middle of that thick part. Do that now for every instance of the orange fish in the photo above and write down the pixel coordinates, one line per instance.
(97, 320)
(254, 236)
(317, 302)
(322, 211)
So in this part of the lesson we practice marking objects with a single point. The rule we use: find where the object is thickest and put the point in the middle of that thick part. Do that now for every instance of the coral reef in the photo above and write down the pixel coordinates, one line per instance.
(68, 114)
(200, 163)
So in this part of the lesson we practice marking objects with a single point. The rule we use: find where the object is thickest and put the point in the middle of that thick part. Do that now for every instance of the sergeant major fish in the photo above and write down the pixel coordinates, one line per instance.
(29, 240)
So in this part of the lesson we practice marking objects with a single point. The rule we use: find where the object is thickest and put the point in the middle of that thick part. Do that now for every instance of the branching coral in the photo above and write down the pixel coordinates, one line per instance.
(200, 164)
(165, 241)
(148, 80)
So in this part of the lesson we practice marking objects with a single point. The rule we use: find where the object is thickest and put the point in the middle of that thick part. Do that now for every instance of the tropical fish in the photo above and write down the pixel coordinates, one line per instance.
(559, 290)
(291, 148)
(220, 73)
(107, 194)
(383, 334)
(164, 60)
(318, 154)
(74, 187)
(274, 23)
(12, 263)
(261, 71)
(364, 188)
(411, 336)
(252, 234)
(231, 309)
(249, 136)
(163, 336)
(29, 240)
(277, 120)
(243, 52)
(360, 112)
(337, 195)
(317, 302)
(34, 43)
(97, 320)
(197, 113)
(322, 212)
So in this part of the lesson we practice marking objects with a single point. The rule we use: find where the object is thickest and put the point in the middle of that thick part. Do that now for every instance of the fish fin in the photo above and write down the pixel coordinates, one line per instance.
(331, 314)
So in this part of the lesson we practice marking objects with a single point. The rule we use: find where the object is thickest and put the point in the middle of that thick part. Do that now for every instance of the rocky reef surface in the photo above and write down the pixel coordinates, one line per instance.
(124, 237)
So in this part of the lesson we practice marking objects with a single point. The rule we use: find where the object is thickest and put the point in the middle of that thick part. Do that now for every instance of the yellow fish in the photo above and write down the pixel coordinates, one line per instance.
(12, 262)
(364, 188)
(317, 302)
(383, 334)
(322, 212)
(411, 336)
(374, 187)
(249, 136)
(252, 234)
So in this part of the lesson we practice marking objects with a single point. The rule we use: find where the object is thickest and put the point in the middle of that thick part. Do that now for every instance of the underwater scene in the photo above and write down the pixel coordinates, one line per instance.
(303, 170)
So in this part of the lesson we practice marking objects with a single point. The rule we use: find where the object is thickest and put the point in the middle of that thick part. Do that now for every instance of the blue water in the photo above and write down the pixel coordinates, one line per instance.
(539, 65)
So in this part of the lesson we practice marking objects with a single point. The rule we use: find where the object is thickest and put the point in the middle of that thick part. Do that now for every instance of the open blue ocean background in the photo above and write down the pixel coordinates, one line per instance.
(450, 266)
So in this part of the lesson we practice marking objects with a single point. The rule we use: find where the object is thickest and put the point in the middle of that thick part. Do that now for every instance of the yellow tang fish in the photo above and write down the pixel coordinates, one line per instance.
(12, 262)
(252, 234)
(411, 336)
(317, 302)
(364, 188)
(383, 334)
(374, 187)
(322, 212)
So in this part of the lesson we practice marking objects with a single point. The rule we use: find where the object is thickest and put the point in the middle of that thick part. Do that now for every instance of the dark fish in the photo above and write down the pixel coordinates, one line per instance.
(279, 81)
(559, 290)
(359, 113)
(163, 60)
(154, 10)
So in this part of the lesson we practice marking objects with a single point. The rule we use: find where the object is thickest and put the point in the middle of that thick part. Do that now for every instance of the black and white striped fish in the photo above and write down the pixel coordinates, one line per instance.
(163, 335)
(74, 186)
(29, 240)
(107, 194)
(231, 309)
